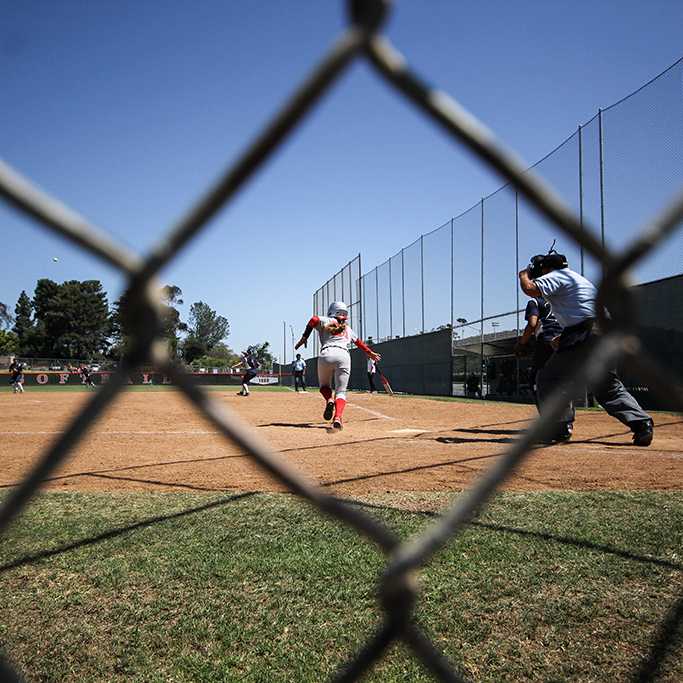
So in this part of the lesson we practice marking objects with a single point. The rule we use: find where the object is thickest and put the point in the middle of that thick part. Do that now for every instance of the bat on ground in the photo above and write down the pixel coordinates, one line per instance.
(384, 381)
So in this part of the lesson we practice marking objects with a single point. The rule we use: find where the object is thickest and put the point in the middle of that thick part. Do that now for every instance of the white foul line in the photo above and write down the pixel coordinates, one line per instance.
(114, 433)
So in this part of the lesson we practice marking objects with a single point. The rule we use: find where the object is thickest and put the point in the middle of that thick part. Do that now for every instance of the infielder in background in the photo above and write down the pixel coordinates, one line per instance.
(251, 363)
(16, 371)
(298, 370)
(542, 330)
(372, 371)
(86, 376)
(573, 301)
(334, 360)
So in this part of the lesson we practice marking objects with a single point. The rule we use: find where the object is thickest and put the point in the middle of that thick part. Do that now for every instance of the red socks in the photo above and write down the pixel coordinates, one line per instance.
(326, 392)
(339, 406)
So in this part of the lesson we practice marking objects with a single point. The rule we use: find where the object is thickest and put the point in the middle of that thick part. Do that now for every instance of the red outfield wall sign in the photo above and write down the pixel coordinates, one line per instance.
(73, 378)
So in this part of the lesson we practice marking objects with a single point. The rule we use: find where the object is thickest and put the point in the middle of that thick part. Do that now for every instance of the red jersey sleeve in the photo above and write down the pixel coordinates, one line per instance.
(310, 326)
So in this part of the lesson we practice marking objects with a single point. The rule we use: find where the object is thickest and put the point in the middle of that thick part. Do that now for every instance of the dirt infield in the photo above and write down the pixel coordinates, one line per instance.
(156, 441)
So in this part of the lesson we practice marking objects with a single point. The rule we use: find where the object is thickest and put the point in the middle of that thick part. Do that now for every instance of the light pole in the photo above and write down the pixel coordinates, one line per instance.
(284, 343)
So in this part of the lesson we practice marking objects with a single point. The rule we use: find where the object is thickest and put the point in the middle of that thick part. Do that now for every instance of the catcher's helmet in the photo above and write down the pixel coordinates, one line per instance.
(338, 309)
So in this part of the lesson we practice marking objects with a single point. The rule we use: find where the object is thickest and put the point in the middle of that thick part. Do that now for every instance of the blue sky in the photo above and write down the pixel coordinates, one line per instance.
(127, 111)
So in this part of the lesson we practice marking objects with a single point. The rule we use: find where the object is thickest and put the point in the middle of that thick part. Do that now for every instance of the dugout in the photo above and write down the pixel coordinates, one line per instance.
(660, 316)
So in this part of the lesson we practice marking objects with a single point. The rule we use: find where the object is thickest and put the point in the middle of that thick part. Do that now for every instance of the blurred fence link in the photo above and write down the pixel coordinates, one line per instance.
(397, 590)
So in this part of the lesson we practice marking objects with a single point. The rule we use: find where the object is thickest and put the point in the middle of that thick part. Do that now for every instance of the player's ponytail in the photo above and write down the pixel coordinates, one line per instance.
(335, 327)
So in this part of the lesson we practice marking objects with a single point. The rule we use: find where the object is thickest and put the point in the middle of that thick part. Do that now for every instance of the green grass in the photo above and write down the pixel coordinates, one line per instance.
(544, 586)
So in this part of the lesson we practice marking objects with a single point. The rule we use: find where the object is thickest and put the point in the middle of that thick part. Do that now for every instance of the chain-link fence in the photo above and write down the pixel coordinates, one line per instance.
(342, 286)
(613, 172)
(398, 591)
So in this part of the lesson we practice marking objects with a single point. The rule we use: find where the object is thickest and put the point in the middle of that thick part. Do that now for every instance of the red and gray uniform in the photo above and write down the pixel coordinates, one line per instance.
(334, 361)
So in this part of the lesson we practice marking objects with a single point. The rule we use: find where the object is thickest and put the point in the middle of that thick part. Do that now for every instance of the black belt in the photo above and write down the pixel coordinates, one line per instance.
(576, 334)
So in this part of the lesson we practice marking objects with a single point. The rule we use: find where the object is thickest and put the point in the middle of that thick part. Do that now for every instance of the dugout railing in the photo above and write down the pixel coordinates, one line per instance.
(397, 590)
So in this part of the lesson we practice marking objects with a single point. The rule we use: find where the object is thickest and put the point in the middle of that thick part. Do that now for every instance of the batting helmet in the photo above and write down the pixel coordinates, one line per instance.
(338, 309)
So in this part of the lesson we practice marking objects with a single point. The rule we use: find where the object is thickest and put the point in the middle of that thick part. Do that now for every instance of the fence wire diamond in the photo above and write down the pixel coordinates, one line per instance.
(398, 591)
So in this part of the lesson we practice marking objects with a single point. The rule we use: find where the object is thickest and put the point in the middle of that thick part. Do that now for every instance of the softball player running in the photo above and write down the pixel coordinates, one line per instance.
(334, 360)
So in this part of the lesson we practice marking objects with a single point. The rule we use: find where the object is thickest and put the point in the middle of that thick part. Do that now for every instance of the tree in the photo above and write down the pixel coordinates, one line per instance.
(172, 324)
(22, 317)
(71, 320)
(221, 356)
(193, 349)
(37, 341)
(264, 356)
(120, 339)
(9, 343)
(5, 316)
(206, 326)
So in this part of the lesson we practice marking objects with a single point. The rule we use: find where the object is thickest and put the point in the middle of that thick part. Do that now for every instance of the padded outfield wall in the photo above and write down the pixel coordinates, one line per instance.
(34, 379)
(416, 365)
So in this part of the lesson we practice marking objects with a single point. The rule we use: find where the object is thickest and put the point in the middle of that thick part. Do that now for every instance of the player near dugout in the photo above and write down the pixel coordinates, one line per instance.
(334, 361)
(573, 300)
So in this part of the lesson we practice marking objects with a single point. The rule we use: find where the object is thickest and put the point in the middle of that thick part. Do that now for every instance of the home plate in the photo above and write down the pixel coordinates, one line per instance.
(407, 431)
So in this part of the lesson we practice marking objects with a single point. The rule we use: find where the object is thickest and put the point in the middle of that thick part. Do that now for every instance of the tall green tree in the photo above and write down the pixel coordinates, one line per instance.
(39, 341)
(171, 296)
(120, 339)
(206, 326)
(71, 320)
(23, 324)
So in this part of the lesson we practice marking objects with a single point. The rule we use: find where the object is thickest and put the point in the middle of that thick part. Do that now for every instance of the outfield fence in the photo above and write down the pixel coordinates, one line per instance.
(612, 172)
(398, 591)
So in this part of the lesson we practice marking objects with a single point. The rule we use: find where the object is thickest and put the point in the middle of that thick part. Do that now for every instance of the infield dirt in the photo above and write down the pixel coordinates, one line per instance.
(157, 441)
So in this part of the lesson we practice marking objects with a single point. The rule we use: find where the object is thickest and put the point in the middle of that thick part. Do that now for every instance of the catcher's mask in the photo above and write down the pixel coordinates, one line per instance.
(552, 260)
(338, 310)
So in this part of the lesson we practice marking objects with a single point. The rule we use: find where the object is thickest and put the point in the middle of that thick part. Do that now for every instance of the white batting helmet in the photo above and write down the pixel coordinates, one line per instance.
(338, 309)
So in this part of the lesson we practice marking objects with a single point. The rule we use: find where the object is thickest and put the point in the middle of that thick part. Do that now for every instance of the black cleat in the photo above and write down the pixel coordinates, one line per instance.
(338, 424)
(643, 432)
(562, 435)
(329, 411)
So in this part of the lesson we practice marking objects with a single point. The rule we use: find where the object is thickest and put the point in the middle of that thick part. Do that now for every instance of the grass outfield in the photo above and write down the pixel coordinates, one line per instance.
(257, 587)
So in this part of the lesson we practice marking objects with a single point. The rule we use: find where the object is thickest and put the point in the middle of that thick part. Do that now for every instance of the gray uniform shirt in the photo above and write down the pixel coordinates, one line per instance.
(571, 295)
(329, 340)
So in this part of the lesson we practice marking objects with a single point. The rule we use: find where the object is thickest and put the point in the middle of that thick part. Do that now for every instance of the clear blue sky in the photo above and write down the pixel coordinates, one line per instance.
(126, 111)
